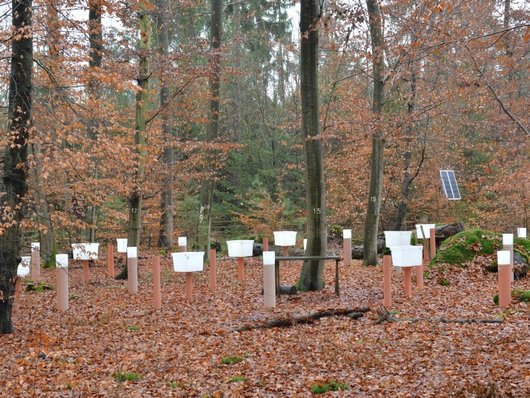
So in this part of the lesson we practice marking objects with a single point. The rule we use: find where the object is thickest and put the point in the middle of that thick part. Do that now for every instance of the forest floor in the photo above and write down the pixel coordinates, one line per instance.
(109, 335)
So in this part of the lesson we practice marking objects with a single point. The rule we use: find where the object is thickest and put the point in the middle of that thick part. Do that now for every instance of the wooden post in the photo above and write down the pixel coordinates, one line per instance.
(387, 281)
(240, 268)
(213, 270)
(157, 295)
(18, 287)
(35, 262)
(432, 242)
(419, 271)
(61, 281)
(188, 278)
(407, 278)
(285, 250)
(110, 260)
(132, 270)
(265, 244)
(347, 251)
(86, 272)
(504, 278)
(269, 288)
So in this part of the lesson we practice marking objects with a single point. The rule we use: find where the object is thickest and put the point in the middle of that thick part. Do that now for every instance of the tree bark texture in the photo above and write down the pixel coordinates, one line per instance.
(95, 37)
(311, 274)
(16, 155)
(208, 185)
(140, 137)
(165, 233)
(407, 177)
(371, 226)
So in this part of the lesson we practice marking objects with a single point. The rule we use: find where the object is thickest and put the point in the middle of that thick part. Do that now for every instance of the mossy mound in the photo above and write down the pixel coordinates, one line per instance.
(464, 246)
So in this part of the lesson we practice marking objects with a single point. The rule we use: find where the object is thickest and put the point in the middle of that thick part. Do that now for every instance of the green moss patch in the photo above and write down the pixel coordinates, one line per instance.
(520, 295)
(231, 360)
(331, 385)
(464, 246)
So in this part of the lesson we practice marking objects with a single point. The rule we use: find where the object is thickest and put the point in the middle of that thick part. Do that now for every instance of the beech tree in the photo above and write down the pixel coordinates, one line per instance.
(208, 184)
(311, 274)
(140, 136)
(371, 226)
(15, 155)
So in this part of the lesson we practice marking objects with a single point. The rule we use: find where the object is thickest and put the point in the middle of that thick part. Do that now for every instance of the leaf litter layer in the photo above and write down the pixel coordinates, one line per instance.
(113, 344)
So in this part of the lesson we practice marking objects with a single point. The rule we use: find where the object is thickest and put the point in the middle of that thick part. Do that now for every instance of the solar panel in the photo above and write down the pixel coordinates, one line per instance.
(449, 185)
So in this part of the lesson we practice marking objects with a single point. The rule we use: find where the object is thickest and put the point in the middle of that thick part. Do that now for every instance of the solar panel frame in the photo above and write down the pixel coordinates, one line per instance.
(449, 185)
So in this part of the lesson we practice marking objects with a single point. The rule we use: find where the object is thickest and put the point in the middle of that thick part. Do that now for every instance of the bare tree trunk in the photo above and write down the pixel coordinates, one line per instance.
(311, 274)
(96, 57)
(142, 99)
(208, 186)
(165, 234)
(407, 178)
(48, 247)
(16, 155)
(371, 226)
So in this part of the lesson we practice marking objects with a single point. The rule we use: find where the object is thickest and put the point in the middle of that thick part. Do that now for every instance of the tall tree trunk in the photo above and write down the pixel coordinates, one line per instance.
(48, 247)
(165, 235)
(407, 178)
(371, 226)
(142, 99)
(311, 274)
(95, 37)
(208, 186)
(16, 155)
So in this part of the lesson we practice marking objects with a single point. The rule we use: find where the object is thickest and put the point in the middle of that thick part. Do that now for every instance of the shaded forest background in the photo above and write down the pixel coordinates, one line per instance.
(456, 81)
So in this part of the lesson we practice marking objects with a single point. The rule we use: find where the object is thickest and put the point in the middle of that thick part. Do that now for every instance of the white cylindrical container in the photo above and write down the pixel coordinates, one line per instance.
(521, 233)
(507, 239)
(407, 256)
(421, 228)
(284, 238)
(182, 241)
(240, 248)
(121, 245)
(397, 238)
(346, 233)
(188, 261)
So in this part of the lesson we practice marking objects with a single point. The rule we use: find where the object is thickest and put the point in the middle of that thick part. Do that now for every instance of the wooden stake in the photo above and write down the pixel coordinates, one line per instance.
(86, 272)
(132, 275)
(188, 277)
(110, 260)
(407, 277)
(35, 264)
(269, 286)
(157, 295)
(432, 242)
(265, 244)
(213, 270)
(240, 268)
(18, 287)
(505, 285)
(347, 251)
(61, 275)
(387, 281)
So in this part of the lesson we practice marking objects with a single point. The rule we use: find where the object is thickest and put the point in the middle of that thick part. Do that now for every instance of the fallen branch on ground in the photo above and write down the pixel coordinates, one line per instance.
(353, 313)
(387, 316)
